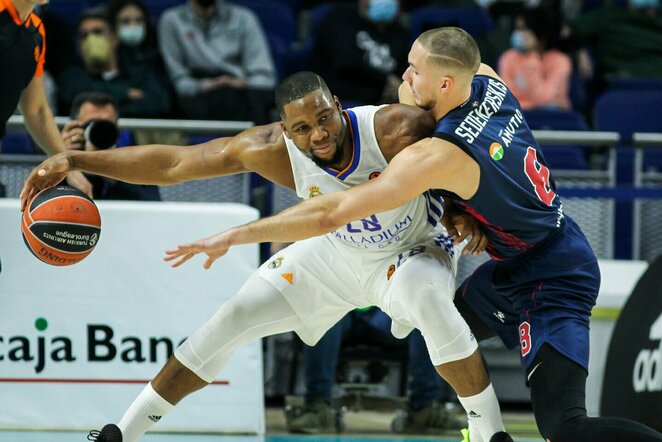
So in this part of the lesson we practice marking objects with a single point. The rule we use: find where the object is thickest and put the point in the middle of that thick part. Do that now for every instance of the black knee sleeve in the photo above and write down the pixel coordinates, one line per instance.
(558, 390)
(558, 396)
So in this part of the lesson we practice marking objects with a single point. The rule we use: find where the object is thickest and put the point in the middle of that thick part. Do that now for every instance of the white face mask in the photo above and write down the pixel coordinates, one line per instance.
(131, 35)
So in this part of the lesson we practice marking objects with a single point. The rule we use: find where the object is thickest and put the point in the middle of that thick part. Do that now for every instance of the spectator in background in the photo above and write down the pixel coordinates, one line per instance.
(94, 127)
(218, 61)
(361, 51)
(536, 72)
(138, 54)
(425, 412)
(140, 96)
(624, 42)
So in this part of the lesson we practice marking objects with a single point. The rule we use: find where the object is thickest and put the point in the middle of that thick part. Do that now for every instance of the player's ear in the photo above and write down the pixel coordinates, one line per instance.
(336, 101)
(285, 132)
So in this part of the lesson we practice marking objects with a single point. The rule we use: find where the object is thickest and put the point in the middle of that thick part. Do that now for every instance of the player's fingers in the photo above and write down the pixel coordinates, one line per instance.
(482, 245)
(210, 260)
(464, 233)
(183, 259)
(471, 245)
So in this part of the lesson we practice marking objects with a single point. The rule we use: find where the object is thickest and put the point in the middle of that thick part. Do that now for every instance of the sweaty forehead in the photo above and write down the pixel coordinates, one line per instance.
(311, 105)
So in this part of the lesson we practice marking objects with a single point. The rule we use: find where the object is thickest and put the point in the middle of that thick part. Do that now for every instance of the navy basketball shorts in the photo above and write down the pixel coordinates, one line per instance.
(544, 297)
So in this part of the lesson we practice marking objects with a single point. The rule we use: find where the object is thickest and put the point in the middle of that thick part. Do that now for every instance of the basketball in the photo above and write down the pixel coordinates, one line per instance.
(61, 225)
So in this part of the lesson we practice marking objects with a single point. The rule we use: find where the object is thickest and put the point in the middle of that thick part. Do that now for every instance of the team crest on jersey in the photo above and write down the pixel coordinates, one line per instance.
(314, 191)
(496, 151)
(390, 272)
(374, 175)
(276, 263)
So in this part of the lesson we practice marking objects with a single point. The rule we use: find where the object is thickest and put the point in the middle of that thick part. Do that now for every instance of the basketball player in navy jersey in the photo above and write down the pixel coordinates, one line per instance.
(542, 282)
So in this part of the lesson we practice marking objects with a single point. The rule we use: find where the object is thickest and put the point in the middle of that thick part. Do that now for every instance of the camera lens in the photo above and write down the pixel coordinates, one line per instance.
(102, 134)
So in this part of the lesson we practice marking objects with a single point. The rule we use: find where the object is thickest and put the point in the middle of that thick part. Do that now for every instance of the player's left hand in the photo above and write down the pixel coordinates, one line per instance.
(461, 226)
(214, 247)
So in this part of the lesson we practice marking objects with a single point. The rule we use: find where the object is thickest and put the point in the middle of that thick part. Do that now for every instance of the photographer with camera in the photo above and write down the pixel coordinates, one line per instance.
(94, 127)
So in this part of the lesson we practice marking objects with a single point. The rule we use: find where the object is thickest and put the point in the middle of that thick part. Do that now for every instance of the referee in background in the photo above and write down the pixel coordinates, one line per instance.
(22, 55)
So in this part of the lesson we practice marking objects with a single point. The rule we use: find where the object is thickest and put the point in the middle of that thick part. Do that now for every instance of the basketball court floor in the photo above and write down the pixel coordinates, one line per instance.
(12, 436)
(364, 426)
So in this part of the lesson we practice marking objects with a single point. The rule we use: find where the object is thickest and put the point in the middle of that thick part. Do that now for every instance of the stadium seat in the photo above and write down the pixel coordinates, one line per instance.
(629, 110)
(473, 20)
(635, 83)
(276, 18)
(565, 157)
(17, 143)
(552, 119)
(156, 7)
(68, 10)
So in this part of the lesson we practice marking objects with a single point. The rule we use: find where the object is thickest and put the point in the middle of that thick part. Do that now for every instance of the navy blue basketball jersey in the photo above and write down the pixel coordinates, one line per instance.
(516, 200)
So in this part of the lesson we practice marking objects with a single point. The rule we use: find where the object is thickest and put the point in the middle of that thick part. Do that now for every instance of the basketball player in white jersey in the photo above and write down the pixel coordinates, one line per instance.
(402, 260)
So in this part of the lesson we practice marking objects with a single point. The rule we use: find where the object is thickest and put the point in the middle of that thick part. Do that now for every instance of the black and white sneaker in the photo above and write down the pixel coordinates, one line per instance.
(109, 433)
(501, 436)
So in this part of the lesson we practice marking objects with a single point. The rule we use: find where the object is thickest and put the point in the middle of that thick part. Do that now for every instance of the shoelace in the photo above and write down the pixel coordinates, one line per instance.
(94, 435)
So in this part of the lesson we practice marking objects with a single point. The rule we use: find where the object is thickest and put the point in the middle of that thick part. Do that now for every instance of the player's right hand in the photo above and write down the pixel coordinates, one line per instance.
(47, 174)
(214, 247)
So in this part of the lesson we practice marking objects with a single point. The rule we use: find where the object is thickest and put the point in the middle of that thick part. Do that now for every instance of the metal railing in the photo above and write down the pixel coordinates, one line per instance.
(589, 195)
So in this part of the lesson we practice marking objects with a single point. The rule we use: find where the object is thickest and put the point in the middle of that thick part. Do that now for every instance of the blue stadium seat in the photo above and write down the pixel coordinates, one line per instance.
(68, 10)
(156, 7)
(566, 157)
(280, 27)
(635, 83)
(473, 20)
(17, 143)
(299, 59)
(276, 18)
(629, 110)
(552, 119)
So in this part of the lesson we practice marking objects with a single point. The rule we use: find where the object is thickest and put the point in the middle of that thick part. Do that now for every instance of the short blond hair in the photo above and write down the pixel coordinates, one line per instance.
(452, 48)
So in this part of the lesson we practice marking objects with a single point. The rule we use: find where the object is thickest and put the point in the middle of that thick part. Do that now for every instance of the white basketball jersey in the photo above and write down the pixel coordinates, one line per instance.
(396, 228)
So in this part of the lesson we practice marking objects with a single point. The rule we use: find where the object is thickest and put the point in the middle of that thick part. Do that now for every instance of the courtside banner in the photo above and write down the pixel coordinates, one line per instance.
(78, 343)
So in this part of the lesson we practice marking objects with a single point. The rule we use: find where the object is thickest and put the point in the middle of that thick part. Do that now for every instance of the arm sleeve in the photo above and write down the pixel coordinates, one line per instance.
(173, 57)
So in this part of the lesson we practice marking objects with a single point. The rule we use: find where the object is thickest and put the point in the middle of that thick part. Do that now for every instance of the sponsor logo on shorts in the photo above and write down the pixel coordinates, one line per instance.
(314, 191)
(289, 277)
(276, 263)
(500, 316)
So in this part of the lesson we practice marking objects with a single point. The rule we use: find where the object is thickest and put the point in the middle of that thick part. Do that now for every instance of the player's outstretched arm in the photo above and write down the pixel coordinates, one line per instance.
(410, 173)
(162, 165)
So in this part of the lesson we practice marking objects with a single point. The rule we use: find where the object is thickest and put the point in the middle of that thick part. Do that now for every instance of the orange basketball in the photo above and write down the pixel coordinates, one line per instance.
(61, 225)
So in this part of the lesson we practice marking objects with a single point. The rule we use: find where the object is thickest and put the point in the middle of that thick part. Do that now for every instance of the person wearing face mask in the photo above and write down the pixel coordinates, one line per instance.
(135, 90)
(137, 53)
(536, 73)
(218, 60)
(361, 50)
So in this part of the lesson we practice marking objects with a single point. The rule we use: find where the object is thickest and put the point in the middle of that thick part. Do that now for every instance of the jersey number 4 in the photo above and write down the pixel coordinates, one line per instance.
(538, 174)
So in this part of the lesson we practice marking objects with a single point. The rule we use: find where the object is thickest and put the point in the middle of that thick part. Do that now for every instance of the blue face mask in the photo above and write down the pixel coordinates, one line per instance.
(517, 41)
(383, 11)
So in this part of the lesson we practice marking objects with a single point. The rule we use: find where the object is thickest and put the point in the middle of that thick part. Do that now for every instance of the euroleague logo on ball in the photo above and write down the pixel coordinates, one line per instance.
(61, 225)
